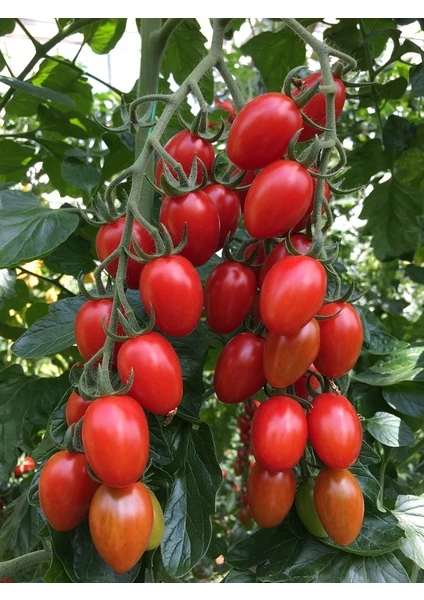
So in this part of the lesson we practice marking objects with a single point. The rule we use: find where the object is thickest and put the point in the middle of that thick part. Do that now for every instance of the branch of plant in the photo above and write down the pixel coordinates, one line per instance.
(9, 568)
(54, 282)
(371, 73)
(35, 42)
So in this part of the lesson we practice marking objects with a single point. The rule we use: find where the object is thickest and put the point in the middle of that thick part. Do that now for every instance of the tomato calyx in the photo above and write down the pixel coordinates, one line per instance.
(199, 127)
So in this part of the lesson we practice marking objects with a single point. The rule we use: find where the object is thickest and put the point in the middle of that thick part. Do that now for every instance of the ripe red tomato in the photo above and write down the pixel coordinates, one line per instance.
(270, 495)
(89, 334)
(65, 489)
(277, 199)
(239, 371)
(299, 241)
(244, 516)
(278, 433)
(158, 379)
(230, 293)
(244, 423)
(229, 210)
(315, 109)
(108, 239)
(304, 220)
(341, 340)
(121, 521)
(339, 502)
(75, 408)
(251, 406)
(292, 293)
(247, 180)
(262, 131)
(287, 357)
(198, 211)
(25, 466)
(175, 278)
(228, 106)
(334, 430)
(184, 146)
(300, 386)
(115, 436)
(305, 507)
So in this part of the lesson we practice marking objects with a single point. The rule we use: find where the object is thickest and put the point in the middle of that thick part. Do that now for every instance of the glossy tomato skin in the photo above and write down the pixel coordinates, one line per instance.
(75, 408)
(228, 206)
(277, 199)
(239, 371)
(173, 287)
(339, 503)
(230, 293)
(184, 147)
(121, 521)
(287, 357)
(341, 339)
(65, 489)
(299, 241)
(158, 379)
(270, 495)
(292, 293)
(89, 334)
(115, 436)
(300, 386)
(108, 239)
(158, 523)
(305, 507)
(334, 430)
(279, 433)
(315, 109)
(327, 194)
(262, 131)
(198, 211)
(26, 466)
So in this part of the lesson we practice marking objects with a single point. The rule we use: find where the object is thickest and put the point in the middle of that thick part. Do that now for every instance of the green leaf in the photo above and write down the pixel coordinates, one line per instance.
(118, 158)
(238, 576)
(416, 79)
(36, 311)
(409, 511)
(191, 502)
(376, 340)
(19, 529)
(390, 430)
(52, 333)
(56, 572)
(160, 451)
(15, 157)
(80, 175)
(28, 229)
(9, 332)
(274, 55)
(415, 273)
(398, 133)
(103, 36)
(365, 160)
(7, 286)
(409, 167)
(403, 365)
(6, 26)
(393, 89)
(2, 61)
(72, 257)
(406, 397)
(42, 93)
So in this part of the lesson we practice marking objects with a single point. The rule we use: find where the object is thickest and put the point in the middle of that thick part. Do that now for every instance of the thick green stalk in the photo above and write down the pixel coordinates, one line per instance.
(10, 567)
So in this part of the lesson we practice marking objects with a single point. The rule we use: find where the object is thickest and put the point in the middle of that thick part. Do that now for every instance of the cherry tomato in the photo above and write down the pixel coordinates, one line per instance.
(339, 502)
(334, 430)
(158, 379)
(257, 263)
(305, 507)
(277, 199)
(115, 436)
(198, 211)
(292, 293)
(244, 423)
(245, 437)
(89, 334)
(299, 241)
(279, 433)
(121, 521)
(239, 371)
(341, 339)
(262, 131)
(228, 106)
(75, 408)
(65, 489)
(247, 180)
(25, 466)
(270, 495)
(108, 239)
(300, 386)
(315, 109)
(175, 278)
(230, 293)
(238, 467)
(158, 523)
(287, 357)
(244, 516)
(304, 220)
(229, 210)
(251, 406)
(184, 147)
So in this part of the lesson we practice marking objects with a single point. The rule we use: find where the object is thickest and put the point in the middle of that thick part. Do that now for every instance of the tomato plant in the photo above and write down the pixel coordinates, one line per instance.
(327, 193)
(89, 333)
(75, 408)
(270, 495)
(184, 148)
(305, 507)
(299, 241)
(228, 206)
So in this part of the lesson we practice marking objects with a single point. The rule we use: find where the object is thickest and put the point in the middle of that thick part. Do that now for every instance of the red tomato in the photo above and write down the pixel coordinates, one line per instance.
(287, 357)
(230, 293)
(251, 406)
(7, 580)
(25, 466)
(247, 180)
(339, 502)
(292, 293)
(299, 241)
(198, 211)
(256, 265)
(121, 521)
(304, 220)
(300, 386)
(158, 379)
(89, 334)
(75, 408)
(239, 371)
(229, 210)
(279, 433)
(244, 516)
(244, 423)
(108, 239)
(184, 146)
(341, 340)
(270, 495)
(65, 489)
(315, 109)
(173, 287)
(334, 430)
(115, 436)
(262, 131)
(228, 106)
(277, 199)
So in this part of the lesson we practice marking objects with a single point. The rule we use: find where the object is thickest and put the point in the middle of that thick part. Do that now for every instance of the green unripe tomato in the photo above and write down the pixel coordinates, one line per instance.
(158, 523)
(304, 502)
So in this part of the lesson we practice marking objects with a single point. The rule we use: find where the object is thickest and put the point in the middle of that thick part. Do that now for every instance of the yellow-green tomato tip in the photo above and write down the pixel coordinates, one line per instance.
(306, 510)
(158, 524)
